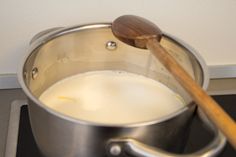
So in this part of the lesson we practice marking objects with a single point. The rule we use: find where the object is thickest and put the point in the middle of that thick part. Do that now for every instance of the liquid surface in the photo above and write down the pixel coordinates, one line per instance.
(112, 97)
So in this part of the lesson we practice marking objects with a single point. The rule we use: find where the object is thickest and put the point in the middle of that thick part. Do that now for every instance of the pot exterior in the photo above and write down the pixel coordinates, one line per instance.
(69, 51)
(59, 137)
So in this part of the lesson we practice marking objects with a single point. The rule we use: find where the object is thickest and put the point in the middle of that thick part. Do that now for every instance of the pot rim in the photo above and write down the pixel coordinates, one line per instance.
(63, 31)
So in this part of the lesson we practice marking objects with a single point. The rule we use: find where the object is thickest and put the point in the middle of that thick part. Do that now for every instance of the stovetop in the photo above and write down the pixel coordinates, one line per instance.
(21, 143)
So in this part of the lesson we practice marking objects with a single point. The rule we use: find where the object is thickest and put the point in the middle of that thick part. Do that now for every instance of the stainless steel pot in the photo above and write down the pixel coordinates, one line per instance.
(61, 52)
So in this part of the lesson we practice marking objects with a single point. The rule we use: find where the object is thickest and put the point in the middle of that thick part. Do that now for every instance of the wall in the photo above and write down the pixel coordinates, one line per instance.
(208, 26)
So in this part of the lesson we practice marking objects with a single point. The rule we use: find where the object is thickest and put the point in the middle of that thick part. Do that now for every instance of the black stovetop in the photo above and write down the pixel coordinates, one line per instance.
(26, 146)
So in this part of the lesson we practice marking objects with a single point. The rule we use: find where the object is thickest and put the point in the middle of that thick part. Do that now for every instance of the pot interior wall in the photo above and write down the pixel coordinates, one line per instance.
(78, 51)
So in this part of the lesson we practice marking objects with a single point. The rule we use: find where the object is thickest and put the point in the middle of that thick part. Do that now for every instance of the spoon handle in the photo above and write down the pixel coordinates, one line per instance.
(210, 107)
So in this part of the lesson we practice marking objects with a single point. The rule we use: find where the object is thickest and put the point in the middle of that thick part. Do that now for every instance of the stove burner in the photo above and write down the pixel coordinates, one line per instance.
(25, 137)
(21, 143)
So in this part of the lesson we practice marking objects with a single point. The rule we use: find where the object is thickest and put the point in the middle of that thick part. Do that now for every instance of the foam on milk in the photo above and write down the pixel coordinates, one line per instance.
(112, 97)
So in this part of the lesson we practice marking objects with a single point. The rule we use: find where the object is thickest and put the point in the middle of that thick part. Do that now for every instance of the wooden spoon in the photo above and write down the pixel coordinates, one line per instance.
(141, 33)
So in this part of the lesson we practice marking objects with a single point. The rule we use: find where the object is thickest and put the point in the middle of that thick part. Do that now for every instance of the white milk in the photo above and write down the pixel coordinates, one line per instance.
(112, 97)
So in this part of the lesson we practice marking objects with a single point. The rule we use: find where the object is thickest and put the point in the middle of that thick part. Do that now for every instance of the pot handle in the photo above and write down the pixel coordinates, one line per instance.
(43, 33)
(120, 146)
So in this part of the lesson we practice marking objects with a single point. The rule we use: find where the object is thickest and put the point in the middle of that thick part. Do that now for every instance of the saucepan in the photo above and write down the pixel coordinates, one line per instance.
(57, 53)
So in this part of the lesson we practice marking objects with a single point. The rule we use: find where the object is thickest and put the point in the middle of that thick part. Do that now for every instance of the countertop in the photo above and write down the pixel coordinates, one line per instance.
(6, 98)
